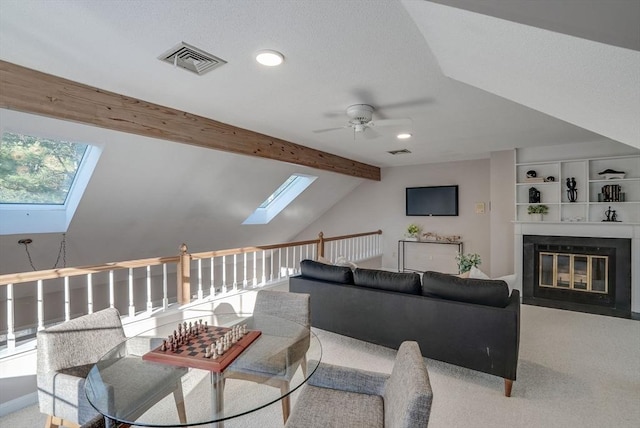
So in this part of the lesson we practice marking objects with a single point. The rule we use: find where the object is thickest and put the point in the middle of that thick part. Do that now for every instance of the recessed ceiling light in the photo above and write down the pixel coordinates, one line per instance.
(269, 58)
(403, 136)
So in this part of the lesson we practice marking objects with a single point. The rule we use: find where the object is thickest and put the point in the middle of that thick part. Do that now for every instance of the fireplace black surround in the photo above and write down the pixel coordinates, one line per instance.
(615, 302)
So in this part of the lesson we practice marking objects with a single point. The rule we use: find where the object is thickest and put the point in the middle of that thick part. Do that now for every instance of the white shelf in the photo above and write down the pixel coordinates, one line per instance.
(587, 209)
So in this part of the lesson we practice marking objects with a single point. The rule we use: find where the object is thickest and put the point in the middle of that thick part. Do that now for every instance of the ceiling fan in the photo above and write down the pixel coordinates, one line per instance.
(361, 118)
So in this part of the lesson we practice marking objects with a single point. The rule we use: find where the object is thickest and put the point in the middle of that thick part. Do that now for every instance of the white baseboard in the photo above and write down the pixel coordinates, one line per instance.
(18, 403)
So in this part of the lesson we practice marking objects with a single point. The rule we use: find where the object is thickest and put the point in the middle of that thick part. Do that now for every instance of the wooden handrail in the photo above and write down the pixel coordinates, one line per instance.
(23, 277)
(355, 235)
(17, 278)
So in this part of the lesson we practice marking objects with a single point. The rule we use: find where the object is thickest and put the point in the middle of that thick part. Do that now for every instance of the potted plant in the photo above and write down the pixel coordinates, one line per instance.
(537, 211)
(467, 261)
(413, 231)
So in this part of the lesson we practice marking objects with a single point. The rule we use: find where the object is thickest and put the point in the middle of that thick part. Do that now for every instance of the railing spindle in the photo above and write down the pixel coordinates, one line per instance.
(11, 335)
(244, 280)
(89, 294)
(255, 268)
(200, 292)
(235, 271)
(224, 274)
(112, 295)
(165, 283)
(132, 306)
(271, 272)
(212, 290)
(149, 302)
(67, 299)
(40, 305)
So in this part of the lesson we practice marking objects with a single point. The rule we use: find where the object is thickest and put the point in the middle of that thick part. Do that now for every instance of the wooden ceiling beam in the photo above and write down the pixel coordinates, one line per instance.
(30, 91)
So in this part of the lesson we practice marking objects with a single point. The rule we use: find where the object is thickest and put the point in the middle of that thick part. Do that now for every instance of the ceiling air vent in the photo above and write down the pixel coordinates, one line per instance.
(191, 58)
(399, 152)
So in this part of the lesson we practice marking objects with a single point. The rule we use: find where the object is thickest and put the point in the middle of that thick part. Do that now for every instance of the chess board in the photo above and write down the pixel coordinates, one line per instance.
(193, 354)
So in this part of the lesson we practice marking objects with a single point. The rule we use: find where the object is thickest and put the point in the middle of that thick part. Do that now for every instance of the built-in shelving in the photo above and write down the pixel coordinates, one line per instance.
(588, 206)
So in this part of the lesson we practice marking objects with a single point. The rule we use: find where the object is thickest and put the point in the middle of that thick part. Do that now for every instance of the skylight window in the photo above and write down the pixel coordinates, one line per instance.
(41, 182)
(280, 198)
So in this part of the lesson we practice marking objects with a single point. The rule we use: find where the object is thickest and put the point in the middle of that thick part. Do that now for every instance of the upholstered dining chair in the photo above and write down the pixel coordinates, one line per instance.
(66, 353)
(341, 396)
(287, 345)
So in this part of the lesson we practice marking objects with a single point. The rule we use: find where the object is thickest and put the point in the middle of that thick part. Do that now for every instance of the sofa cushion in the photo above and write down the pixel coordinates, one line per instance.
(480, 291)
(402, 282)
(323, 272)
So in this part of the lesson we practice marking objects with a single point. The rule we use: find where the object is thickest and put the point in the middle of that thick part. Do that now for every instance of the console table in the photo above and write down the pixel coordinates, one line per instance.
(405, 247)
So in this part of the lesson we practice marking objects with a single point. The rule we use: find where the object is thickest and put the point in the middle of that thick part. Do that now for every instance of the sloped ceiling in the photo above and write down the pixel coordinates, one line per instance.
(584, 82)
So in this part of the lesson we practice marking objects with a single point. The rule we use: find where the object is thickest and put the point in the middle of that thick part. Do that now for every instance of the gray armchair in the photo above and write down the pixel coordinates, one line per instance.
(341, 396)
(286, 345)
(67, 352)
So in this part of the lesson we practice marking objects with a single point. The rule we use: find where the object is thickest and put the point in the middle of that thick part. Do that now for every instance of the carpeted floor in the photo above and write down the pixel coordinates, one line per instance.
(575, 370)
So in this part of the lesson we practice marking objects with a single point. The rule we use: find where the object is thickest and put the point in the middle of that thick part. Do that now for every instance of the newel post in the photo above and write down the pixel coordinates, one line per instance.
(320, 244)
(184, 276)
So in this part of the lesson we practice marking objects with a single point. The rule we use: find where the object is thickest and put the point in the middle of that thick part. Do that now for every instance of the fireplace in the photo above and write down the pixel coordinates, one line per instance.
(583, 274)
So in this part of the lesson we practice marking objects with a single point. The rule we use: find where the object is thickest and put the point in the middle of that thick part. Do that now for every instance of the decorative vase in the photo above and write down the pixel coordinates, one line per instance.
(411, 238)
(536, 217)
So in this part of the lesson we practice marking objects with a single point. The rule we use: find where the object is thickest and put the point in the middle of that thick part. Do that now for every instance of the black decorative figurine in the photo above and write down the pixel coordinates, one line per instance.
(611, 215)
(534, 195)
(572, 192)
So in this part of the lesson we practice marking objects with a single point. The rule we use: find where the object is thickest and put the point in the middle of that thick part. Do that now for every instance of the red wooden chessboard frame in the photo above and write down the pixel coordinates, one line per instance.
(199, 361)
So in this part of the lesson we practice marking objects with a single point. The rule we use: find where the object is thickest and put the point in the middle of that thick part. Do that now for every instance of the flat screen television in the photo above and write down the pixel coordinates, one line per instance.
(432, 201)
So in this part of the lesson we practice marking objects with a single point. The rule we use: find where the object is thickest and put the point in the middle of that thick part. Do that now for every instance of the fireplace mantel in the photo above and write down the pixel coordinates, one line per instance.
(619, 230)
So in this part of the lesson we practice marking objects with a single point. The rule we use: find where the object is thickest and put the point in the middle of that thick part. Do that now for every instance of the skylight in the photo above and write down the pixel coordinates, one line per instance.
(280, 198)
(41, 182)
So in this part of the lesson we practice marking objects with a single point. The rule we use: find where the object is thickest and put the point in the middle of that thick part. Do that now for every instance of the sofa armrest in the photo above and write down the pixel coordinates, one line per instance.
(514, 301)
(348, 379)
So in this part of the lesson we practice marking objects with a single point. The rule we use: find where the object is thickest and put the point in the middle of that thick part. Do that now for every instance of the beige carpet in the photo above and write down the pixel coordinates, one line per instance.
(575, 370)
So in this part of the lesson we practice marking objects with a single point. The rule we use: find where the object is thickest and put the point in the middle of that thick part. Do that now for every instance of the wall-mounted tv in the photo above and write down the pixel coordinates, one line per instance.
(432, 201)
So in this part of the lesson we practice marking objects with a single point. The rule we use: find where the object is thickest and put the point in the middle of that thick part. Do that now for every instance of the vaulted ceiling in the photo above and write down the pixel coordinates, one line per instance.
(473, 77)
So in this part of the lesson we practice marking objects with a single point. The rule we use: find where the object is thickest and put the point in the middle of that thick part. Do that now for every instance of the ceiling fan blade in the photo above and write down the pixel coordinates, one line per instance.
(391, 122)
(408, 103)
(370, 134)
(319, 131)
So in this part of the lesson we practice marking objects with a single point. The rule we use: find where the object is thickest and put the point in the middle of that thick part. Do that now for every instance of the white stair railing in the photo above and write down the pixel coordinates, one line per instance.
(117, 284)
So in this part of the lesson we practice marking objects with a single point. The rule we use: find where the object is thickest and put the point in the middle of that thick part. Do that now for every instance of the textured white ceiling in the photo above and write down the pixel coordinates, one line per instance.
(337, 53)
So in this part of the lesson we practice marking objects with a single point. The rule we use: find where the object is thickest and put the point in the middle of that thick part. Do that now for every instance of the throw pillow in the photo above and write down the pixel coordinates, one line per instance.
(402, 282)
(323, 260)
(478, 274)
(342, 261)
(315, 270)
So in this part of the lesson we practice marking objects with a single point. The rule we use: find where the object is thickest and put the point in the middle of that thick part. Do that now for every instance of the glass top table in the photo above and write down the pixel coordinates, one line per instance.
(169, 376)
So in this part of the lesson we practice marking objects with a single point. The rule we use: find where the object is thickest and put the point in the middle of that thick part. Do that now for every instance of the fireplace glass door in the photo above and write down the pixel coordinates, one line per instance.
(577, 272)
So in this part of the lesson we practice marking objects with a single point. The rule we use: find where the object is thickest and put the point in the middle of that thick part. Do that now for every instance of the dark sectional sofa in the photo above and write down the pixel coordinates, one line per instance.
(473, 323)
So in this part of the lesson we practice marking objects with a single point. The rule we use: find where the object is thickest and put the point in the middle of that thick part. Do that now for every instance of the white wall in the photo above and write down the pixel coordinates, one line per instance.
(381, 205)
(502, 212)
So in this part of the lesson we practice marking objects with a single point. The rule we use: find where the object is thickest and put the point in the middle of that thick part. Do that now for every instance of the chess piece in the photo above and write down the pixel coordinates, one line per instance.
(164, 345)
(220, 347)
